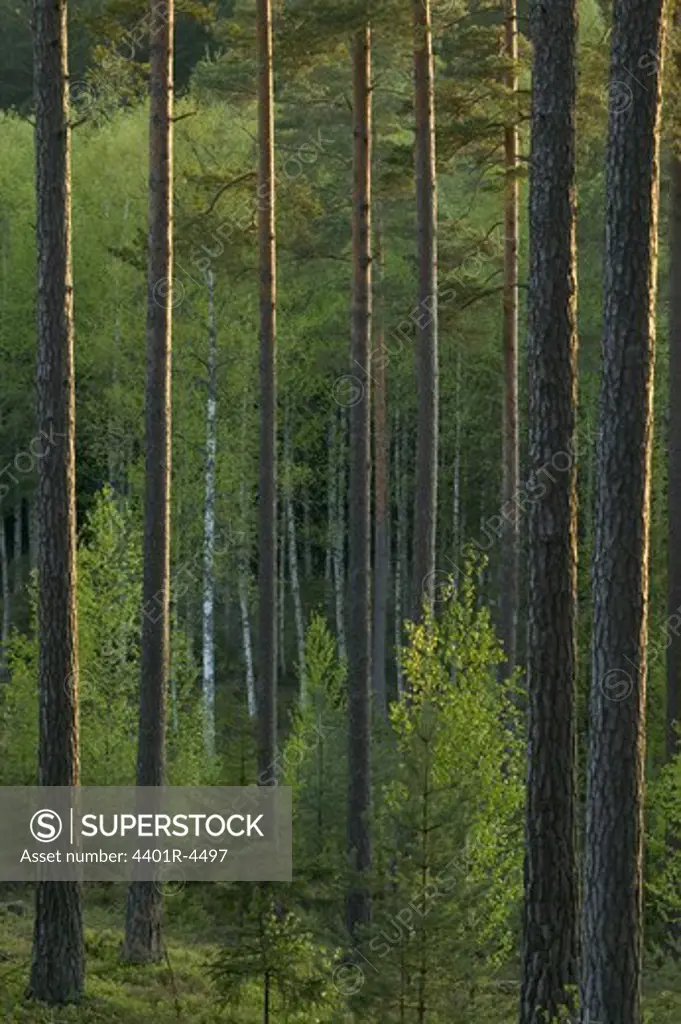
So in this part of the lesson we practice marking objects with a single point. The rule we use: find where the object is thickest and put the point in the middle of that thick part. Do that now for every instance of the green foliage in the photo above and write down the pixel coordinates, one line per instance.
(109, 602)
(449, 831)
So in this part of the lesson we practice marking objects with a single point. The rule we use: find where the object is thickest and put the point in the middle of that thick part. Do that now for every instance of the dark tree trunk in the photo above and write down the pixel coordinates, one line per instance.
(551, 892)
(381, 581)
(143, 940)
(359, 639)
(58, 955)
(612, 904)
(267, 640)
(425, 493)
(674, 468)
(510, 461)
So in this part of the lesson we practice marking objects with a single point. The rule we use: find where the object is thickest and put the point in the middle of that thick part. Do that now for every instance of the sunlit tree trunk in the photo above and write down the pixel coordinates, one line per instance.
(57, 967)
(612, 940)
(143, 940)
(510, 462)
(359, 572)
(425, 489)
(267, 640)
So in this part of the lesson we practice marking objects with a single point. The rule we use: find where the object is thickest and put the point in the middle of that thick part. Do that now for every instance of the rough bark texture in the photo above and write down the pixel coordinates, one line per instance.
(674, 467)
(143, 941)
(510, 457)
(551, 890)
(267, 640)
(359, 646)
(209, 528)
(58, 956)
(612, 905)
(426, 317)
(381, 580)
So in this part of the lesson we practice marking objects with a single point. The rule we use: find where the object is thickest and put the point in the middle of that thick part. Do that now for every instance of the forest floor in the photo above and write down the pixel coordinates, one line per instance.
(179, 988)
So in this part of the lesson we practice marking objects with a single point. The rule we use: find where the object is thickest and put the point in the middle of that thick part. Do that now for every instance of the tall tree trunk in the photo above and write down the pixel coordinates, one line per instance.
(381, 580)
(359, 571)
(267, 643)
(551, 892)
(247, 638)
(294, 575)
(510, 461)
(674, 466)
(425, 492)
(33, 532)
(57, 967)
(209, 528)
(339, 539)
(612, 904)
(143, 941)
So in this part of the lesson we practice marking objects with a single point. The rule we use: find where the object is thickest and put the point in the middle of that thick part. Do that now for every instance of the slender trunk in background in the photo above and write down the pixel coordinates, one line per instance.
(401, 567)
(427, 373)
(339, 539)
(16, 553)
(457, 532)
(246, 633)
(57, 967)
(358, 908)
(209, 528)
(6, 595)
(267, 640)
(330, 508)
(307, 536)
(281, 595)
(551, 891)
(610, 987)
(33, 532)
(381, 581)
(510, 460)
(674, 465)
(143, 940)
(289, 513)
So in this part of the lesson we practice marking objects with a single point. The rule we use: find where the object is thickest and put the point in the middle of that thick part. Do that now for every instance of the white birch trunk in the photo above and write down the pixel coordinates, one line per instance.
(209, 529)
(247, 639)
(6, 597)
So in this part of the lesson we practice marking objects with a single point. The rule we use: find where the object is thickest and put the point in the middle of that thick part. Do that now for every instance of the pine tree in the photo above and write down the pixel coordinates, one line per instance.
(57, 968)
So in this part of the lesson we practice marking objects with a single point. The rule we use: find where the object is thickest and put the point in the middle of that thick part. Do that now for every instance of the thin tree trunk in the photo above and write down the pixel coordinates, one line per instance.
(510, 462)
(425, 492)
(247, 639)
(57, 968)
(33, 533)
(307, 536)
(281, 600)
(209, 529)
(401, 574)
(6, 596)
(293, 567)
(143, 940)
(457, 532)
(339, 539)
(358, 907)
(381, 579)
(612, 939)
(551, 891)
(674, 468)
(267, 703)
(16, 554)
(243, 590)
